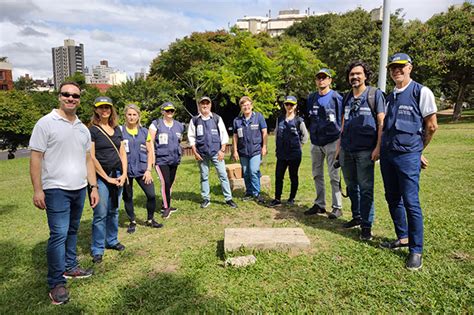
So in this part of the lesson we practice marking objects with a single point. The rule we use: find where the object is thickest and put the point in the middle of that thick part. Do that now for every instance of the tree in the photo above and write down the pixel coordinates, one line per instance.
(79, 78)
(24, 84)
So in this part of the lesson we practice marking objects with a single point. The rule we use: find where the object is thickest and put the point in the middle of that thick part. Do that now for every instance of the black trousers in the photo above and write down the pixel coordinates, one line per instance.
(281, 166)
(149, 191)
(167, 174)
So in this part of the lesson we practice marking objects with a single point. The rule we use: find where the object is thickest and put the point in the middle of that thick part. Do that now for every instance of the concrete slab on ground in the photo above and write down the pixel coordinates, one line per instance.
(265, 238)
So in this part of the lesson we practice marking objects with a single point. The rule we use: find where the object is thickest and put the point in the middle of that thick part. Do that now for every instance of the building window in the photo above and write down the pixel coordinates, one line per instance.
(2, 75)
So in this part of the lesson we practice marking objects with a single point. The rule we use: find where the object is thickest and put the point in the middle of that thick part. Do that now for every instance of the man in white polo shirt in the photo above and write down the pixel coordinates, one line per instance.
(60, 168)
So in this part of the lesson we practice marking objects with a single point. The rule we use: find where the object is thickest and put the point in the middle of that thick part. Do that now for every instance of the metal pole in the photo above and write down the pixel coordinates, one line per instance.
(384, 45)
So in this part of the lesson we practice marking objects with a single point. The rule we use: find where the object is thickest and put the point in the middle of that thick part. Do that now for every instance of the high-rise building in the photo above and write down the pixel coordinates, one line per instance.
(67, 60)
(103, 74)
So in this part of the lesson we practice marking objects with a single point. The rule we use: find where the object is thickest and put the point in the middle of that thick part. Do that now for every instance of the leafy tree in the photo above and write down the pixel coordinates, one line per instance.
(24, 84)
(79, 78)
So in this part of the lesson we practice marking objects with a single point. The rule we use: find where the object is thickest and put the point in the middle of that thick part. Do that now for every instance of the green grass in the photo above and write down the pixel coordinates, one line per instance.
(179, 269)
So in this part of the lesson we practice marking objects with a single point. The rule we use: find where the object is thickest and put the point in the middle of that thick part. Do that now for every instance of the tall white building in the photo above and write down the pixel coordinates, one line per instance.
(103, 74)
(67, 60)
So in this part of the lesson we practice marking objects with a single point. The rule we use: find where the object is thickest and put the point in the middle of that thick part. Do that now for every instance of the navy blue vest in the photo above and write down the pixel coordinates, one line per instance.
(403, 125)
(360, 128)
(288, 138)
(208, 140)
(249, 135)
(135, 147)
(167, 142)
(324, 124)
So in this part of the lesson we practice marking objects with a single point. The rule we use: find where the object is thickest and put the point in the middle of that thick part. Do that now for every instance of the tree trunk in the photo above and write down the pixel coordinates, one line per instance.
(459, 100)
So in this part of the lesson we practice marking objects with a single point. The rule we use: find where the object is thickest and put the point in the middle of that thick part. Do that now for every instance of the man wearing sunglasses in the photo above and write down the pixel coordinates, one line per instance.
(324, 109)
(60, 169)
(409, 126)
(364, 112)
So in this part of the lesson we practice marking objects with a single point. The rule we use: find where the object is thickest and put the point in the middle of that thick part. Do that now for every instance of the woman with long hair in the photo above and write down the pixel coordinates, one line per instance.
(110, 160)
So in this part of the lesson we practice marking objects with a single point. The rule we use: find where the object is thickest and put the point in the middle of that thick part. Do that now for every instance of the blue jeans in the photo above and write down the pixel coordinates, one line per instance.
(358, 170)
(220, 168)
(251, 173)
(105, 221)
(401, 175)
(64, 211)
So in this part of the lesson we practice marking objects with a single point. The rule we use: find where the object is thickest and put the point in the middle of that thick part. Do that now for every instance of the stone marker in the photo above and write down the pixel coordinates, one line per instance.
(239, 183)
(240, 261)
(265, 238)
(234, 170)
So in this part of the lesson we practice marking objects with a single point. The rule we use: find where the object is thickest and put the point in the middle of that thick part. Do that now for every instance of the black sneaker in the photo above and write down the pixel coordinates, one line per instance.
(131, 227)
(393, 245)
(315, 209)
(59, 294)
(335, 213)
(78, 273)
(166, 213)
(152, 223)
(231, 203)
(366, 234)
(352, 223)
(414, 262)
(290, 202)
(118, 247)
(172, 209)
(275, 203)
(205, 203)
(97, 259)
(260, 199)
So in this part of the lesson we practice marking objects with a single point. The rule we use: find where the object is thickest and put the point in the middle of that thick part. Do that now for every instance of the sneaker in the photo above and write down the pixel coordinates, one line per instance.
(231, 203)
(166, 213)
(172, 209)
(335, 213)
(152, 223)
(290, 202)
(394, 245)
(59, 294)
(260, 199)
(131, 227)
(315, 209)
(118, 247)
(97, 259)
(352, 223)
(205, 203)
(414, 262)
(275, 203)
(78, 273)
(247, 197)
(366, 234)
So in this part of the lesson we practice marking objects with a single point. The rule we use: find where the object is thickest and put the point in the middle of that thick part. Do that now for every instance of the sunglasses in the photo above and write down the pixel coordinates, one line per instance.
(169, 110)
(289, 104)
(355, 105)
(66, 95)
(323, 77)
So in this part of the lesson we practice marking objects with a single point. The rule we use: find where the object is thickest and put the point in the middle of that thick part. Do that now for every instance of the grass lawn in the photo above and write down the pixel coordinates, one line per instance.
(178, 269)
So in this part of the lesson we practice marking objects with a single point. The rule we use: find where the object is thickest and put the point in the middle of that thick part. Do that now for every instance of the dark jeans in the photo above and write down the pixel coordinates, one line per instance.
(167, 174)
(149, 191)
(281, 166)
(401, 176)
(64, 211)
(358, 171)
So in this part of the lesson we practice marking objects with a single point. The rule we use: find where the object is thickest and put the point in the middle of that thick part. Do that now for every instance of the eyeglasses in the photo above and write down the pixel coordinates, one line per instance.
(355, 105)
(169, 110)
(66, 95)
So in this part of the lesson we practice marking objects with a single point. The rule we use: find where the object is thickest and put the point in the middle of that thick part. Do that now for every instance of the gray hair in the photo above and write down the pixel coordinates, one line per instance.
(135, 108)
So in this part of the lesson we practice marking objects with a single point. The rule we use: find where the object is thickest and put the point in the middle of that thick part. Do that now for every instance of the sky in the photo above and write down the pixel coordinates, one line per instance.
(131, 33)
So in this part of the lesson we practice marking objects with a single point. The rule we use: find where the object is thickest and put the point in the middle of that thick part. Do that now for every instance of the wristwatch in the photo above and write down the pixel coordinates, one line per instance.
(93, 186)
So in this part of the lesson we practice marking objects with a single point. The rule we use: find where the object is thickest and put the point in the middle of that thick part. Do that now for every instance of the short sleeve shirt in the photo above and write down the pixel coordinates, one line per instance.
(105, 152)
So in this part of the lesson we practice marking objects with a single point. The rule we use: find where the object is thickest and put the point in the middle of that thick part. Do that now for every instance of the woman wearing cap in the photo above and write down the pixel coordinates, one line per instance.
(140, 158)
(110, 160)
(166, 136)
(291, 134)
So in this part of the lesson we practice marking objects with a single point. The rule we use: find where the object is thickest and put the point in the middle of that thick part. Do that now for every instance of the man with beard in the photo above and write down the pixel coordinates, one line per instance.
(361, 133)
(409, 126)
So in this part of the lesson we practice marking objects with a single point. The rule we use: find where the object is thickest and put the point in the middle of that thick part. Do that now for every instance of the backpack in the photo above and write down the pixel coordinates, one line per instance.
(370, 99)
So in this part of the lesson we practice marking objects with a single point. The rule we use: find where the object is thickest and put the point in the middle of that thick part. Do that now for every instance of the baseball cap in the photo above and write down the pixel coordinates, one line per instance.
(290, 99)
(325, 71)
(205, 98)
(103, 100)
(168, 106)
(399, 58)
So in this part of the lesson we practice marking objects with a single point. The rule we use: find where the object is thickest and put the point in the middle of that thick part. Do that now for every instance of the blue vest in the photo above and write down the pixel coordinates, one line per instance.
(403, 125)
(288, 138)
(324, 120)
(208, 140)
(135, 146)
(167, 142)
(360, 128)
(249, 135)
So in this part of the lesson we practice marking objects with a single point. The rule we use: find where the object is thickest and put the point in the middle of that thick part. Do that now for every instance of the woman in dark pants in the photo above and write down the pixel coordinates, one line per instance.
(110, 161)
(291, 134)
(140, 157)
(166, 136)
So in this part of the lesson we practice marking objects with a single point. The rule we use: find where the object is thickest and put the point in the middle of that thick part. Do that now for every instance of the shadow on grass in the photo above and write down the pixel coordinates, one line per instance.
(7, 208)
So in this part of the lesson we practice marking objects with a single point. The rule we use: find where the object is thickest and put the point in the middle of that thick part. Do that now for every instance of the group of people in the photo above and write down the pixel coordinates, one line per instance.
(69, 160)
